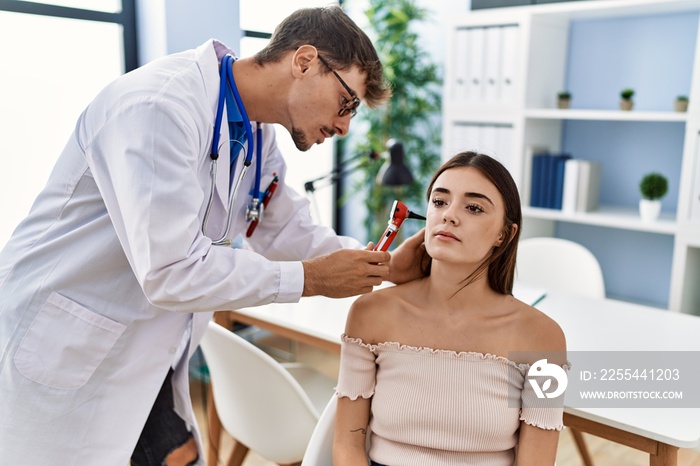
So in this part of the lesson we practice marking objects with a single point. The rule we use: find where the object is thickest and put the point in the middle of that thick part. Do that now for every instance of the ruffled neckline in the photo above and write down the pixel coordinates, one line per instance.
(523, 367)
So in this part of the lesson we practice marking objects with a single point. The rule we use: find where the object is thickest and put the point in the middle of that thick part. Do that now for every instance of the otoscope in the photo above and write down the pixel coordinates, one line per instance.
(399, 213)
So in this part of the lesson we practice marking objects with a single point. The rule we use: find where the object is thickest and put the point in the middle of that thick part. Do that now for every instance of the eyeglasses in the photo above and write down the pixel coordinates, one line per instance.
(348, 106)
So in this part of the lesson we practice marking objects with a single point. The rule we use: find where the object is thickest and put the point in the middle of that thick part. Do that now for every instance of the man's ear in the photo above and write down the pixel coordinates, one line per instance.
(303, 59)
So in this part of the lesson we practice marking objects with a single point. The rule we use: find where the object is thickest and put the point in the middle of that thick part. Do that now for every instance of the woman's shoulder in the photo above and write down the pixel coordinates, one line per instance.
(371, 314)
(540, 333)
(387, 297)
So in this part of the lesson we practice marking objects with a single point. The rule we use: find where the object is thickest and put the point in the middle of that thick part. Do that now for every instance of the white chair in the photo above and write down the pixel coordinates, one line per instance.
(320, 449)
(267, 407)
(561, 265)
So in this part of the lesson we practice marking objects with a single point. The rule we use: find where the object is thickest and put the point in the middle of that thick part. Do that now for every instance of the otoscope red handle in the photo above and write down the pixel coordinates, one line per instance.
(399, 213)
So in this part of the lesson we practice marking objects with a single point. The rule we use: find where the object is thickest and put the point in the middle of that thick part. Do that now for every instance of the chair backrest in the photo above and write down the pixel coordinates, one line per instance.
(259, 403)
(559, 264)
(320, 449)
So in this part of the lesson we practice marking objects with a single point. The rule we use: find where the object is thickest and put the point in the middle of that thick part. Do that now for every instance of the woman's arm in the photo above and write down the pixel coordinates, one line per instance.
(349, 443)
(536, 447)
(356, 380)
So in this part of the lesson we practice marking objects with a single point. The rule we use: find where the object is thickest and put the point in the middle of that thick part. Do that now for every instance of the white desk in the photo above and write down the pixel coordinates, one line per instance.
(317, 321)
(610, 325)
(601, 325)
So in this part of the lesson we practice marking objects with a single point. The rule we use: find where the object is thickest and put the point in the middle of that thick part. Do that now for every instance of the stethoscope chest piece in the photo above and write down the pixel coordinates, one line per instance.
(254, 211)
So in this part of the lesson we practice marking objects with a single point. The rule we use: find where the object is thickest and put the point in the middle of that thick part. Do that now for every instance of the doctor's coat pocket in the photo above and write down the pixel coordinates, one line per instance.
(65, 344)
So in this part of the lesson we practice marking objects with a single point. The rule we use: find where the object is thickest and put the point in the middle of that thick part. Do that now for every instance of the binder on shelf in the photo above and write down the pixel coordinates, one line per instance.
(472, 137)
(454, 142)
(546, 196)
(531, 171)
(570, 188)
(559, 164)
(535, 180)
(464, 137)
(509, 63)
(489, 141)
(538, 185)
(504, 150)
(588, 186)
(492, 64)
(461, 59)
(475, 64)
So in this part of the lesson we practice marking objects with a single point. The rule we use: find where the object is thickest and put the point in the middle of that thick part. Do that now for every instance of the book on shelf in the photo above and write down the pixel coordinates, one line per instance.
(561, 182)
(581, 186)
(547, 179)
(532, 172)
(570, 191)
(557, 187)
(588, 186)
(536, 180)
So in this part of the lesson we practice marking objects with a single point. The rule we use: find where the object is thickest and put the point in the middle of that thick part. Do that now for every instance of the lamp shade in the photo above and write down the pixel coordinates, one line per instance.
(394, 173)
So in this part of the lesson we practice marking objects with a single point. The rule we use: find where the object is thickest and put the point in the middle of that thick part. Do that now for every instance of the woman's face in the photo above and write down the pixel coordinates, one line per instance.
(465, 217)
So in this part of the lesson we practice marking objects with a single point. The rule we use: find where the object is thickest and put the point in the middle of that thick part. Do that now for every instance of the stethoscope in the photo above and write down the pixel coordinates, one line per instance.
(253, 212)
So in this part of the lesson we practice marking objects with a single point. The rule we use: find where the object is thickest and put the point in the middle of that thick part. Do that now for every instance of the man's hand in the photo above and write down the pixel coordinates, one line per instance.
(344, 273)
(407, 260)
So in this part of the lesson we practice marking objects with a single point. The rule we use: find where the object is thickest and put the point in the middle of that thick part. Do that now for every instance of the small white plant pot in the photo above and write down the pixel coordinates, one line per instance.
(649, 210)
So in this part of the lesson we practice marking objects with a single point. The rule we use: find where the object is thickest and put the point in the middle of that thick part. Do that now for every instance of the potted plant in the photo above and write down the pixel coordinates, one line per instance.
(681, 104)
(626, 101)
(563, 99)
(653, 188)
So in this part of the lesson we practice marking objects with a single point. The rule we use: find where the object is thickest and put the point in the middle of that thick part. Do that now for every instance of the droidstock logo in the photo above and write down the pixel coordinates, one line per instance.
(543, 369)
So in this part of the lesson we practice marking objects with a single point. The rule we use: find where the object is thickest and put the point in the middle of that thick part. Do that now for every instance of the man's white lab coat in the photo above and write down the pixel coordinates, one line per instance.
(103, 283)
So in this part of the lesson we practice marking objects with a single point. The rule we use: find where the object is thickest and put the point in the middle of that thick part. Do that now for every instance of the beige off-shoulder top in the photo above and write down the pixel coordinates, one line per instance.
(439, 407)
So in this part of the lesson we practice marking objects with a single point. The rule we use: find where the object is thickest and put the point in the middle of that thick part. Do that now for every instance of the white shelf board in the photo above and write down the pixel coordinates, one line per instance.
(611, 217)
(604, 115)
(491, 115)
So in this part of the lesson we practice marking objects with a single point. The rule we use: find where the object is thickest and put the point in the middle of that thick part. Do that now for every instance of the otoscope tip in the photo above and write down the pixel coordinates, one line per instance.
(415, 215)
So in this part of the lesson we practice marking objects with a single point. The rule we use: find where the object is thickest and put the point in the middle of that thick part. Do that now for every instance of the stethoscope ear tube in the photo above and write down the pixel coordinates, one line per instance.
(227, 82)
(222, 241)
